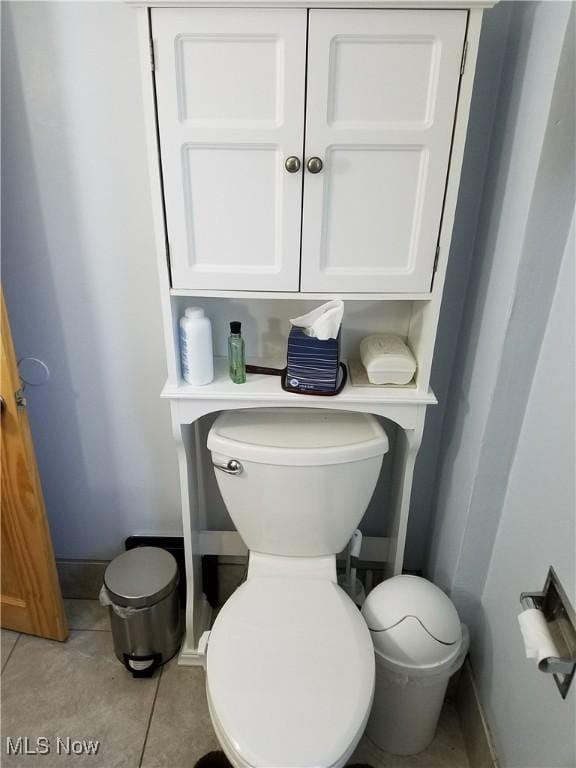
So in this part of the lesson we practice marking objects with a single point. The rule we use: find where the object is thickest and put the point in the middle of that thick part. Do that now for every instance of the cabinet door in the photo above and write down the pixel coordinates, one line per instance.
(381, 101)
(230, 99)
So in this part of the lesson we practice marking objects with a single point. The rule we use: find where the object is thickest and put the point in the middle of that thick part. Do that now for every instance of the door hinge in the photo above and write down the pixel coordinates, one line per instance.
(21, 401)
(464, 51)
(436, 257)
(152, 56)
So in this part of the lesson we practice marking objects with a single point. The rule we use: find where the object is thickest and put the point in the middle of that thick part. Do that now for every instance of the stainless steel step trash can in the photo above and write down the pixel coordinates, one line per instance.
(141, 592)
(419, 643)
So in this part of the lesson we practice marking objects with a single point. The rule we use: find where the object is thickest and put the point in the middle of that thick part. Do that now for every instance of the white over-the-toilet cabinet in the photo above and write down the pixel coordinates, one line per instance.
(298, 154)
(305, 150)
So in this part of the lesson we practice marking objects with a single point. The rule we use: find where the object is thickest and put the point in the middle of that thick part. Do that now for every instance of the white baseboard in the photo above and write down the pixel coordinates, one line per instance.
(475, 730)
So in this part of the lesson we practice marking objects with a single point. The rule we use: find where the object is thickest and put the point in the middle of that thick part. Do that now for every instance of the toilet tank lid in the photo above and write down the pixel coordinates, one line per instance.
(297, 436)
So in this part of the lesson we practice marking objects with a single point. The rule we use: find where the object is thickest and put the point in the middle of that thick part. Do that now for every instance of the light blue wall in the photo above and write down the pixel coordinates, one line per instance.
(531, 724)
(491, 54)
(79, 272)
(524, 222)
(504, 507)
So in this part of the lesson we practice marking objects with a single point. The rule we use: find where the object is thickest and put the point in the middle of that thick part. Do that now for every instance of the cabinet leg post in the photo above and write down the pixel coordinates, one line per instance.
(198, 611)
(408, 445)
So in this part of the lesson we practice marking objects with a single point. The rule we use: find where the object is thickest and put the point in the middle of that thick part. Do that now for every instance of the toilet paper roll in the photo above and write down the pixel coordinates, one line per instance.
(538, 641)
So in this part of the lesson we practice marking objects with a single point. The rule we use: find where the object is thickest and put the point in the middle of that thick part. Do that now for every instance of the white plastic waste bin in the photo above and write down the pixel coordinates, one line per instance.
(419, 643)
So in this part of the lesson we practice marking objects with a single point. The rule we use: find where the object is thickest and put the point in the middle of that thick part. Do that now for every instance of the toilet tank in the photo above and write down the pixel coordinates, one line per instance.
(296, 481)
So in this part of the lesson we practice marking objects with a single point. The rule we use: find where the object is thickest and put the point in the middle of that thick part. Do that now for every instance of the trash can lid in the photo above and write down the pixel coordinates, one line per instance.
(413, 624)
(141, 577)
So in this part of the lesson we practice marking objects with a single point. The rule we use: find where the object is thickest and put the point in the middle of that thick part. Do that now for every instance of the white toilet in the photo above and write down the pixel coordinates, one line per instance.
(290, 660)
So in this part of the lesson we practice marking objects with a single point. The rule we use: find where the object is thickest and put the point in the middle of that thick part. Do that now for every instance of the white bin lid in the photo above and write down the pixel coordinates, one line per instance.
(413, 624)
(297, 436)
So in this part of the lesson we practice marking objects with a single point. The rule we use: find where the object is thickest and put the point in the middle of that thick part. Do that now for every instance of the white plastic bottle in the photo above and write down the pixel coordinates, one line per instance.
(196, 347)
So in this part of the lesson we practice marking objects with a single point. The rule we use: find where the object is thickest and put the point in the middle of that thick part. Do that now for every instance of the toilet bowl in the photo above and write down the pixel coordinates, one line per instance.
(290, 662)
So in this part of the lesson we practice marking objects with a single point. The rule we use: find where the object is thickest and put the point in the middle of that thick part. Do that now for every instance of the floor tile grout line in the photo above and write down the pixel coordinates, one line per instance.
(11, 652)
(150, 718)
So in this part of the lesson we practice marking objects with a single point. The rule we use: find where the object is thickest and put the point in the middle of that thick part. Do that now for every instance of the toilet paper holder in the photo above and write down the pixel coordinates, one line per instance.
(553, 602)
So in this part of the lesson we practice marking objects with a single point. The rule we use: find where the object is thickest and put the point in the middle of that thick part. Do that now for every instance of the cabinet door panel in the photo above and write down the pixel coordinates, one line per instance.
(230, 93)
(382, 92)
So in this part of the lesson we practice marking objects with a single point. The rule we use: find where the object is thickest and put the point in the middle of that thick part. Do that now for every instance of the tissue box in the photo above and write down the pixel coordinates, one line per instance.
(312, 363)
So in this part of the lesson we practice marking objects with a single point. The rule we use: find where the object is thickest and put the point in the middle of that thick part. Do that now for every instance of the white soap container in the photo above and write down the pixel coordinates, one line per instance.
(196, 347)
(387, 359)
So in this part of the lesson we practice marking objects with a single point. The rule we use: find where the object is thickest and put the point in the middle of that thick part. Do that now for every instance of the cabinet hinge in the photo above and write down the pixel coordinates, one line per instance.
(152, 57)
(464, 51)
(436, 257)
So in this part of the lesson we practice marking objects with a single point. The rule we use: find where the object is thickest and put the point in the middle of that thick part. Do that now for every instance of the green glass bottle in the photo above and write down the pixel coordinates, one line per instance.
(236, 357)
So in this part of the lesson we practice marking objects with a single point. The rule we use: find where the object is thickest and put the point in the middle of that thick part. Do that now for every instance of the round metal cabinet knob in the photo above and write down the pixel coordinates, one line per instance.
(292, 164)
(314, 165)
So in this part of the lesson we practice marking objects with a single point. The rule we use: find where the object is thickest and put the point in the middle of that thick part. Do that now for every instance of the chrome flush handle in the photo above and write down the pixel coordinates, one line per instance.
(233, 467)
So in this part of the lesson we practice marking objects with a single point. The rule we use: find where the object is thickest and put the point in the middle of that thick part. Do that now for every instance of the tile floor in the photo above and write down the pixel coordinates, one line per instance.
(79, 690)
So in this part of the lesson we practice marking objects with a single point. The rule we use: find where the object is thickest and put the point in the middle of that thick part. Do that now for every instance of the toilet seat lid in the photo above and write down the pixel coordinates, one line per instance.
(290, 672)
